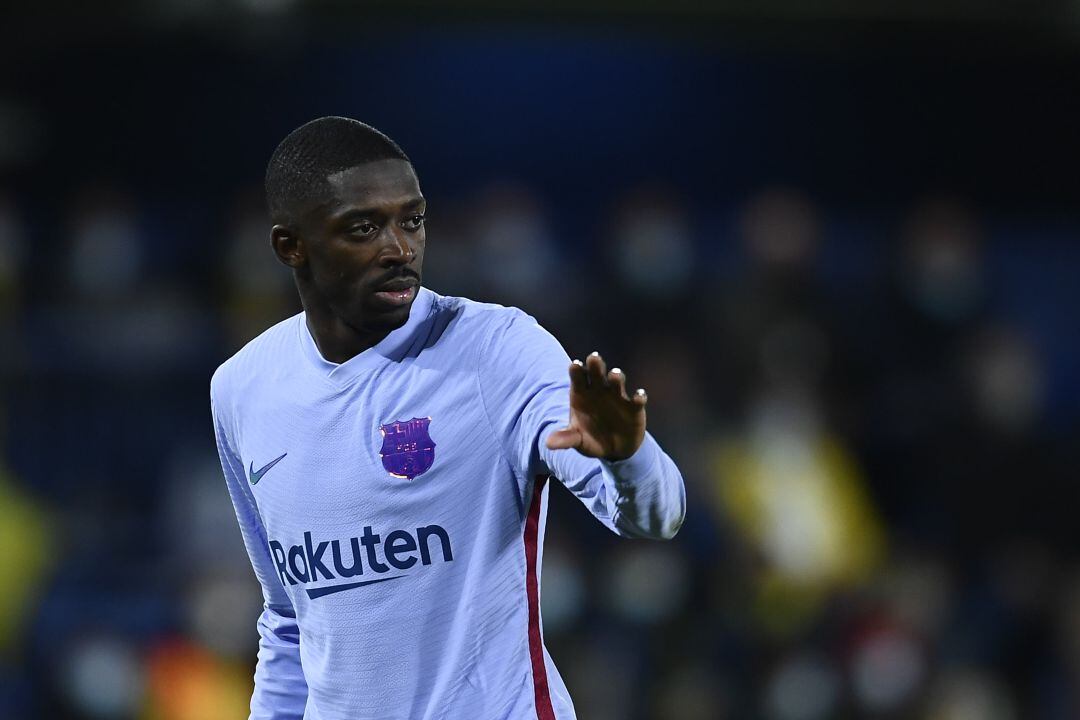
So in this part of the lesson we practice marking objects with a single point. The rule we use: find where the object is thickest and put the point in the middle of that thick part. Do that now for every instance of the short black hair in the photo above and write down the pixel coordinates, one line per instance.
(298, 170)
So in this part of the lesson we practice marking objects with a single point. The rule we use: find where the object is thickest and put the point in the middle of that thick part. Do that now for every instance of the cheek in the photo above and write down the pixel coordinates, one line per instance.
(340, 269)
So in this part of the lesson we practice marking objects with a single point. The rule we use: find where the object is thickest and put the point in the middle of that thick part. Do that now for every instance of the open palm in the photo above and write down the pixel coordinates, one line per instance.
(604, 421)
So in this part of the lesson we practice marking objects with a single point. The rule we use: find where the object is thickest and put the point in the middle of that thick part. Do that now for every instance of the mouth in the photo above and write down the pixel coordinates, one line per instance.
(397, 292)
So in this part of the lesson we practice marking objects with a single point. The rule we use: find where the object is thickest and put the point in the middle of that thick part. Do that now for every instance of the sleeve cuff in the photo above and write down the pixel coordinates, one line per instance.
(637, 466)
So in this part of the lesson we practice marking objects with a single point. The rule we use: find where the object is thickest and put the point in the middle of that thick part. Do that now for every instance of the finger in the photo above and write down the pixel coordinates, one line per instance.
(640, 398)
(578, 379)
(617, 379)
(597, 369)
(565, 439)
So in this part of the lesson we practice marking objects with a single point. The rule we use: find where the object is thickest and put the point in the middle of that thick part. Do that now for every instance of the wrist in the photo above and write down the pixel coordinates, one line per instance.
(638, 463)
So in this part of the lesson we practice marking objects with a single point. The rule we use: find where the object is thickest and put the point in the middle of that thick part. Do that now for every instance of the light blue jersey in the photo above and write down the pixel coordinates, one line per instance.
(394, 505)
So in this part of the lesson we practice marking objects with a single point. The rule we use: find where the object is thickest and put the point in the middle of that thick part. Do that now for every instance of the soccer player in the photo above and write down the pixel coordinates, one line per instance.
(387, 452)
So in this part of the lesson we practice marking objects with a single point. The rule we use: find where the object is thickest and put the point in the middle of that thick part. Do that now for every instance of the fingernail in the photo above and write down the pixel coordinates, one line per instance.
(594, 353)
(616, 370)
(579, 363)
(639, 391)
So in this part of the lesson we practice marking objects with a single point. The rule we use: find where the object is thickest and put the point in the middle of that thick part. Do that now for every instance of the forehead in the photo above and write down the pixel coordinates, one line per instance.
(383, 183)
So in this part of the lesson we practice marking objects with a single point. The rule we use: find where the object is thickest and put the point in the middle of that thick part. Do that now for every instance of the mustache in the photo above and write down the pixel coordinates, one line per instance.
(403, 274)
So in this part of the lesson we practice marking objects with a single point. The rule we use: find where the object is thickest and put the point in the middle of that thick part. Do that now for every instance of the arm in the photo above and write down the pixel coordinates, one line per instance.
(280, 687)
(604, 455)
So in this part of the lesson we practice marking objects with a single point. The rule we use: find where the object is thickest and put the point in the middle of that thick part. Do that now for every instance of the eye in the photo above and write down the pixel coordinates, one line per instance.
(413, 223)
(363, 228)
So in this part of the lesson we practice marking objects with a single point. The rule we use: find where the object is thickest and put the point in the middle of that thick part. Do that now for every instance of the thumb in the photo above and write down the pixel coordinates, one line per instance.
(565, 439)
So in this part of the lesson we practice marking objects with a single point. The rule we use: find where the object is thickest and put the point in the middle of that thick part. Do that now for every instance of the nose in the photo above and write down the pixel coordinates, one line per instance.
(398, 250)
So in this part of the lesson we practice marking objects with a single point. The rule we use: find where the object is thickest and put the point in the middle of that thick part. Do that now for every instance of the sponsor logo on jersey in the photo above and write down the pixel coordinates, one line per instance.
(369, 554)
(407, 448)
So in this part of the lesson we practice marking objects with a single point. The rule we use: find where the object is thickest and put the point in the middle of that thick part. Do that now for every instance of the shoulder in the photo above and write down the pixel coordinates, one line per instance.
(483, 323)
(507, 341)
(473, 311)
(267, 353)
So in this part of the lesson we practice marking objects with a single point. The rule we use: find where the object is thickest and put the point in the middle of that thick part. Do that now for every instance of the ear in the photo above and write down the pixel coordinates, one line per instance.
(288, 246)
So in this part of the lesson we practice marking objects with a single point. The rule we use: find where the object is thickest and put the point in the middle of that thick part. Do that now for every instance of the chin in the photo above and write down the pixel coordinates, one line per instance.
(387, 318)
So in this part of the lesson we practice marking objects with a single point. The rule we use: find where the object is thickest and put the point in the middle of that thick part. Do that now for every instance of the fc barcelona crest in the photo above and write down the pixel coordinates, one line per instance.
(407, 449)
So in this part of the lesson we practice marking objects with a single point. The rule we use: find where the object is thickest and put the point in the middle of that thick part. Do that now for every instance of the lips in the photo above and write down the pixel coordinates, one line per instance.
(396, 292)
(397, 285)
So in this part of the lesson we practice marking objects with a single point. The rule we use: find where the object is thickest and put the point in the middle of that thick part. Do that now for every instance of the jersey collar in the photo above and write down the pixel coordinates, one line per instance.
(392, 348)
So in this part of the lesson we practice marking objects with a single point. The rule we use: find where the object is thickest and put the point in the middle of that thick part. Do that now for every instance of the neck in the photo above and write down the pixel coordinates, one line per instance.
(337, 340)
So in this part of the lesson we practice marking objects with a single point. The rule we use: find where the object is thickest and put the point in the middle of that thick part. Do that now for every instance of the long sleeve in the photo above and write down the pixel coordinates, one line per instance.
(280, 687)
(525, 389)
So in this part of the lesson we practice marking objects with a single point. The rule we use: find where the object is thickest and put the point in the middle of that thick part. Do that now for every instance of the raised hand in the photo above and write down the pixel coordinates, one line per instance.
(604, 421)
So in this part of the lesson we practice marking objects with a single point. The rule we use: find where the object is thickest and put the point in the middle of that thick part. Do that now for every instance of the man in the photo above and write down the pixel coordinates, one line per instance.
(387, 452)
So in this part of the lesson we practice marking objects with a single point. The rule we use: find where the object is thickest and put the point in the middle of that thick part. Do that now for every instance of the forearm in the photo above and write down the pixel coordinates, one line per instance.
(646, 493)
(280, 687)
(641, 497)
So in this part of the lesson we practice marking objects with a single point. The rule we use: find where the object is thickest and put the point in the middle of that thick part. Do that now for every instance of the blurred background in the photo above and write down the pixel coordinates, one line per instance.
(838, 242)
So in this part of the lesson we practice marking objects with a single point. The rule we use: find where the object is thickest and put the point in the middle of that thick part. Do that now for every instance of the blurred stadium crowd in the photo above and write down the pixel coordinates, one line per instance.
(875, 411)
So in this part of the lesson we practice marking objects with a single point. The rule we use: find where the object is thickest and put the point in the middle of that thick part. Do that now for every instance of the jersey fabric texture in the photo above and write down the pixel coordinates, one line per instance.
(393, 507)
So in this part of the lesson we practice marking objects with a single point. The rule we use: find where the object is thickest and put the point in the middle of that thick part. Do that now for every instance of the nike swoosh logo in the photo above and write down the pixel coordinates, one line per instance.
(256, 475)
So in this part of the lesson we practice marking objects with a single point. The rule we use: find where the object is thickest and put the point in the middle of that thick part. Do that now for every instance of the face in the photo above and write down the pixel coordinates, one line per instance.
(360, 255)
